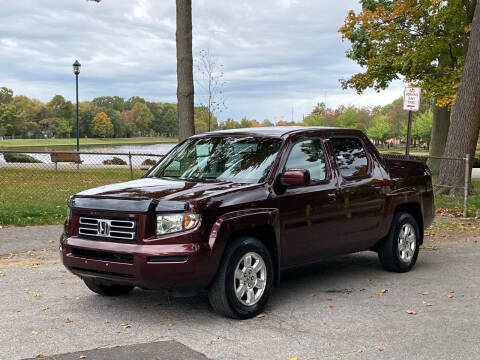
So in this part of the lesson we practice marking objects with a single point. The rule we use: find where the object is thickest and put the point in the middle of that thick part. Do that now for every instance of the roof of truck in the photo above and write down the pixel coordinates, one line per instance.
(270, 131)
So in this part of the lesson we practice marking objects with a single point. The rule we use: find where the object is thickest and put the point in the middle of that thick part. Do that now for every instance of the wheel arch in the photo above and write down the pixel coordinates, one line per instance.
(262, 224)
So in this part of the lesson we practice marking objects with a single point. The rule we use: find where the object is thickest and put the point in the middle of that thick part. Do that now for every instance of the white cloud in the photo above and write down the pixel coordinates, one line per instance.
(277, 54)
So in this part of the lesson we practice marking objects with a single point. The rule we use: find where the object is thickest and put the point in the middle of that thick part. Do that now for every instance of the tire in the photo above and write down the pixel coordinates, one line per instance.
(399, 251)
(106, 289)
(248, 279)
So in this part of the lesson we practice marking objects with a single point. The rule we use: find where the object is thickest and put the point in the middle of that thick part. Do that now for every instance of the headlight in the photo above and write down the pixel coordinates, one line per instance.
(171, 223)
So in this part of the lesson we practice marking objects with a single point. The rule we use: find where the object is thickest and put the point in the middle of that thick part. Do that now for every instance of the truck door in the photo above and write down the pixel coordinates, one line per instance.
(309, 214)
(361, 197)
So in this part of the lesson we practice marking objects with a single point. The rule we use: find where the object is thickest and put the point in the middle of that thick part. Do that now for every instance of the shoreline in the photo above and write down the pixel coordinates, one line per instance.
(30, 144)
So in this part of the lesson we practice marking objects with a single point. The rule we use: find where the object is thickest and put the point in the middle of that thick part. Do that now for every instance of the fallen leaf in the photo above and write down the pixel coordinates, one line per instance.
(150, 335)
(293, 358)
(411, 312)
(44, 308)
(427, 303)
(82, 357)
(241, 323)
(450, 295)
(40, 356)
(313, 294)
(15, 311)
(171, 324)
(260, 315)
(328, 299)
(68, 321)
(381, 349)
(34, 332)
(381, 292)
(331, 306)
(36, 294)
(125, 326)
(425, 293)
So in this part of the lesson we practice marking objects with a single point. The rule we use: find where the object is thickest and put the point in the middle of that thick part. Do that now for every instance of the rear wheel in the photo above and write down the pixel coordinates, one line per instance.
(399, 250)
(244, 280)
(106, 288)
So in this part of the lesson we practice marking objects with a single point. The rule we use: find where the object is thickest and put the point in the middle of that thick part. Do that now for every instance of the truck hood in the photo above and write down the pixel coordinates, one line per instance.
(162, 189)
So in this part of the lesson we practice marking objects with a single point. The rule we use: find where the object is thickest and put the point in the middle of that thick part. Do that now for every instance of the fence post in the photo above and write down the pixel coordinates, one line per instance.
(465, 190)
(130, 163)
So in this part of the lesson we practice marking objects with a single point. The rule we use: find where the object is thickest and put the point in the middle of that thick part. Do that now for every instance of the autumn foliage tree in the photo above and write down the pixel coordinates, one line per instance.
(422, 41)
(465, 125)
(102, 125)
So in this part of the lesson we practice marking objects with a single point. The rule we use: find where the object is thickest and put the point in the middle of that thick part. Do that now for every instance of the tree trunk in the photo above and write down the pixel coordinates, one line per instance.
(465, 122)
(185, 90)
(440, 126)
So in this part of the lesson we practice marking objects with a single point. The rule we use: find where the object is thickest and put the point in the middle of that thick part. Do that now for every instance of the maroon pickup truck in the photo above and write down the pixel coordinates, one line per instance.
(227, 211)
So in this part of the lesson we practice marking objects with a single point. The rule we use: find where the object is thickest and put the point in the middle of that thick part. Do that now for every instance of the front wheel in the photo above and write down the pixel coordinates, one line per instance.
(399, 250)
(244, 280)
(107, 289)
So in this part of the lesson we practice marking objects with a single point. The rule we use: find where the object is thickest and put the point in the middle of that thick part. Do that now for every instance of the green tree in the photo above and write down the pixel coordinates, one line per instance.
(130, 103)
(86, 115)
(170, 120)
(63, 129)
(231, 124)
(380, 129)
(143, 117)
(109, 103)
(422, 126)
(348, 118)
(6, 95)
(102, 125)
(204, 120)
(61, 108)
(266, 123)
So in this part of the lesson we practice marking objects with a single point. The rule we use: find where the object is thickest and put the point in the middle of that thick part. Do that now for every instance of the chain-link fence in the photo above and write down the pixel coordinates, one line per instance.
(35, 185)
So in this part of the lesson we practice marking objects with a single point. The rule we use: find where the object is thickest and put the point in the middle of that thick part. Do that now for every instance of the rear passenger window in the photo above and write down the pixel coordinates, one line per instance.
(308, 155)
(350, 155)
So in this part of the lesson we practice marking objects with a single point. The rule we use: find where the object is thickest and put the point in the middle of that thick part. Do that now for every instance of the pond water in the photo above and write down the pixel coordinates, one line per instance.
(159, 149)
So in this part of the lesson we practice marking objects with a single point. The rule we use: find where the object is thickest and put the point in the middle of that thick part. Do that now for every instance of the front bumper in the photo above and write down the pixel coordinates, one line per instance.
(159, 266)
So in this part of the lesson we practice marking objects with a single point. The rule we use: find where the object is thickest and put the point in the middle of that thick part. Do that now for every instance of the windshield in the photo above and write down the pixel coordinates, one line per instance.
(238, 159)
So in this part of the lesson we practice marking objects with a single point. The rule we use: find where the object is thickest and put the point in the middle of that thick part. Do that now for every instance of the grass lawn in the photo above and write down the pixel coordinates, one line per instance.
(454, 205)
(401, 151)
(39, 196)
(71, 142)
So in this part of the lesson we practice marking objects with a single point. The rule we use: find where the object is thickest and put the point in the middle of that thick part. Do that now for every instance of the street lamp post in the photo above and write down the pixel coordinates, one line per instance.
(76, 71)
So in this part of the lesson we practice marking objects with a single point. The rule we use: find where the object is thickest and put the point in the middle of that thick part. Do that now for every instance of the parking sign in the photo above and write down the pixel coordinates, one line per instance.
(411, 99)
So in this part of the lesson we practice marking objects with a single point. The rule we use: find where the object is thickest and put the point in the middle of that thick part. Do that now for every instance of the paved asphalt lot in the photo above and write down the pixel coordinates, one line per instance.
(331, 310)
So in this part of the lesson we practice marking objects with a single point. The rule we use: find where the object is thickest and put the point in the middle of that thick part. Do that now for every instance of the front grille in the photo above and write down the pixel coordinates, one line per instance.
(103, 255)
(117, 230)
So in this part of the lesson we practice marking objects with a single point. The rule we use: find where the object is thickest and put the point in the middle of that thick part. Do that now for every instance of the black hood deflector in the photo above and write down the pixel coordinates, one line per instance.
(126, 205)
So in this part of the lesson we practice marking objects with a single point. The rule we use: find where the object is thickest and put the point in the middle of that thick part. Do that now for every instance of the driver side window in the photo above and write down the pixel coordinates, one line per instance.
(308, 155)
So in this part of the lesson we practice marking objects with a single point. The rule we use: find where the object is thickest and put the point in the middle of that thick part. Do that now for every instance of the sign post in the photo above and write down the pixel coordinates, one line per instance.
(411, 102)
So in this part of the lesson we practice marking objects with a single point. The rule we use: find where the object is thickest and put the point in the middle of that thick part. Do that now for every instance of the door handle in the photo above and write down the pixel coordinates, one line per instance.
(331, 197)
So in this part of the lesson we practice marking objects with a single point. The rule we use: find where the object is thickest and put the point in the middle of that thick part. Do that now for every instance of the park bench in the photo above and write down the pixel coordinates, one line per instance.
(57, 157)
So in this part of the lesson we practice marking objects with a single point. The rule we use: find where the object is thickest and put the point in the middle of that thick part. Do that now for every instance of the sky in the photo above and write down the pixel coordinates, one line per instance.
(279, 57)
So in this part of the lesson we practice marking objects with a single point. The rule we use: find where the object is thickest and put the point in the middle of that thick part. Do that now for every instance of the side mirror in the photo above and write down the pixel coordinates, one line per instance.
(296, 177)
